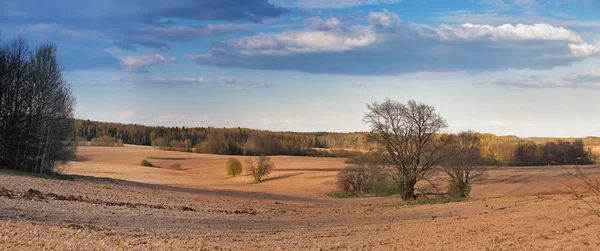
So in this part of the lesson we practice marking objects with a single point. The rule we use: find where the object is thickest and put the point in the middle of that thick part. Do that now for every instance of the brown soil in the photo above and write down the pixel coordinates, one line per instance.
(114, 203)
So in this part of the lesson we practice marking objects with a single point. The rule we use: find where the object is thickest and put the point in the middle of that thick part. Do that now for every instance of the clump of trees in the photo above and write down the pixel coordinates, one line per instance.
(106, 141)
(233, 167)
(37, 129)
(410, 146)
(552, 153)
(261, 169)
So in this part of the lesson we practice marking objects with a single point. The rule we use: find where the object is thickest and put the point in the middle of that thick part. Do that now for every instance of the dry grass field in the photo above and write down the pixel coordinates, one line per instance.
(115, 203)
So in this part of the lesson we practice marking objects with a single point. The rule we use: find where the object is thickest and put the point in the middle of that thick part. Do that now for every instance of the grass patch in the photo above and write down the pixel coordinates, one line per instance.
(165, 158)
(422, 202)
(52, 176)
(342, 196)
(351, 196)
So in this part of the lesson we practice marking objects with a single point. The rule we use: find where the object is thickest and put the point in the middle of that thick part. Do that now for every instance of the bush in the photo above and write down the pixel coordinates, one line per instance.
(234, 167)
(359, 179)
(459, 190)
(147, 163)
(176, 166)
(262, 169)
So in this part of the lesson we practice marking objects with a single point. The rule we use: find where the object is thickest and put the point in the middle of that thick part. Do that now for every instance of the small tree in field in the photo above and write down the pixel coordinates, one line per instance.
(234, 167)
(461, 163)
(262, 169)
(406, 134)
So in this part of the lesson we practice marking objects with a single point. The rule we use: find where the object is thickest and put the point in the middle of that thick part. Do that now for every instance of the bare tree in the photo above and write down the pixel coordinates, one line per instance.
(406, 133)
(262, 169)
(585, 189)
(461, 163)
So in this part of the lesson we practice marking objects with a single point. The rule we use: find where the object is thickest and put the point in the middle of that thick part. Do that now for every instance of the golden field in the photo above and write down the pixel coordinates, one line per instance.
(114, 203)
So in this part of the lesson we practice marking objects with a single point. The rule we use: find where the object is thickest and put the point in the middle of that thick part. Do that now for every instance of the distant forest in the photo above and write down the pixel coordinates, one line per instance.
(495, 150)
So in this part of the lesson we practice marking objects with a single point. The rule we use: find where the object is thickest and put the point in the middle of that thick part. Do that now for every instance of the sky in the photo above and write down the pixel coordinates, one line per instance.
(508, 67)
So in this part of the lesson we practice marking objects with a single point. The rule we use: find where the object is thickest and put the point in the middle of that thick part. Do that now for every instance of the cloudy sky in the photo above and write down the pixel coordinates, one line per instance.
(518, 67)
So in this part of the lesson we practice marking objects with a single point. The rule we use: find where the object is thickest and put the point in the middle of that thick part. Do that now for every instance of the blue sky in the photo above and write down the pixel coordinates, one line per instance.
(508, 67)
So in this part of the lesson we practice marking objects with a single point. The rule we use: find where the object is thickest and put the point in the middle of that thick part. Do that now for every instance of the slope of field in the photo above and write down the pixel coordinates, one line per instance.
(308, 177)
(114, 203)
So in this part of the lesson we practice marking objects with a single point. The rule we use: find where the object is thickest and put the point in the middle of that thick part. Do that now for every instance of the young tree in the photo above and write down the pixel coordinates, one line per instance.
(262, 169)
(406, 134)
(461, 163)
(234, 167)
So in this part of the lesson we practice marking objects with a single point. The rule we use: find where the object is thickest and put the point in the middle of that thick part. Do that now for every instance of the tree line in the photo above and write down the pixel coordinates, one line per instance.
(230, 141)
(494, 150)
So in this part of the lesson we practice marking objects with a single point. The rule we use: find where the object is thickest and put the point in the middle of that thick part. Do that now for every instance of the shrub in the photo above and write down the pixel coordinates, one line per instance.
(234, 167)
(262, 169)
(147, 163)
(360, 178)
(585, 188)
(176, 166)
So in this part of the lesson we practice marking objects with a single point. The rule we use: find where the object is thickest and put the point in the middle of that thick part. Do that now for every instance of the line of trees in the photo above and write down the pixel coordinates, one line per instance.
(552, 153)
(494, 150)
(36, 109)
(231, 141)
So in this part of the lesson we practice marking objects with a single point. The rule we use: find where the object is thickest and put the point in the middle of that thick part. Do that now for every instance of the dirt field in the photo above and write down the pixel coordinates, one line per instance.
(114, 203)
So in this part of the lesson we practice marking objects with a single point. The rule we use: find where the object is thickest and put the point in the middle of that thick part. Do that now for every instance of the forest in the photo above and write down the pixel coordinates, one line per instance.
(495, 150)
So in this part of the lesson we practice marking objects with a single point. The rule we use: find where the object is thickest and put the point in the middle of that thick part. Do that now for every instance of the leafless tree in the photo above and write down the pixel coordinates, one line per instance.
(406, 134)
(36, 109)
(585, 189)
(461, 163)
(262, 169)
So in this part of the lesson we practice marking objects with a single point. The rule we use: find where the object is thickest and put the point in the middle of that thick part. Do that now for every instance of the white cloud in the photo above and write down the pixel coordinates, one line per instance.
(169, 118)
(265, 121)
(492, 123)
(227, 80)
(164, 118)
(324, 4)
(298, 77)
(586, 80)
(322, 122)
(198, 118)
(383, 48)
(358, 84)
(140, 63)
(288, 122)
(328, 24)
(383, 20)
(188, 80)
(125, 115)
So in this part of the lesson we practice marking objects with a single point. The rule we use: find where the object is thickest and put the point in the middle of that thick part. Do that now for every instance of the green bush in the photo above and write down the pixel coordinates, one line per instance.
(147, 163)
(234, 167)
(458, 190)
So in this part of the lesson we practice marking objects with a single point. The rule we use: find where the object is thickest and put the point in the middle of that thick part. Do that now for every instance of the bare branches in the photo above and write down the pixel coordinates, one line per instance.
(585, 189)
(461, 163)
(262, 169)
(407, 135)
